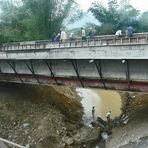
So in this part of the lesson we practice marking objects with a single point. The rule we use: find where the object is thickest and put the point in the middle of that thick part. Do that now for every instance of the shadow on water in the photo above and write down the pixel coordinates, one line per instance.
(103, 101)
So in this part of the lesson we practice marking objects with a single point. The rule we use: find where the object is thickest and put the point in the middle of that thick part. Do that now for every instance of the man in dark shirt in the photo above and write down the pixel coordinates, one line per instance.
(93, 112)
(130, 31)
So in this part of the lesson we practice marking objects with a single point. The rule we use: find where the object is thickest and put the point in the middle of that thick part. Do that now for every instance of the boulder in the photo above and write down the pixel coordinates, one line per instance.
(86, 134)
(67, 140)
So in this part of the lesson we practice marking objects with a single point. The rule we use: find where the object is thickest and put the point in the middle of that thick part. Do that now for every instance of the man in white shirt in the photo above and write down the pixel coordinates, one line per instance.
(108, 116)
(118, 33)
(72, 36)
(63, 36)
(83, 34)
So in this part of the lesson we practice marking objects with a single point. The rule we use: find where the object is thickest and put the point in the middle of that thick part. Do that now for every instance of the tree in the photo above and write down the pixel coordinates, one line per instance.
(108, 15)
(10, 20)
(112, 5)
(113, 18)
(128, 16)
(33, 19)
(74, 15)
(124, 2)
(144, 22)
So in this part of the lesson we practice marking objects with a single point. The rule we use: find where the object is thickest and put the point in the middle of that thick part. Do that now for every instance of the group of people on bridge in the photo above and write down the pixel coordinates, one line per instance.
(61, 37)
(129, 33)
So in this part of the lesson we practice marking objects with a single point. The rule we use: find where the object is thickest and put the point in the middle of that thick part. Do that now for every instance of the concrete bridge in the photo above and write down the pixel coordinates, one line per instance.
(105, 62)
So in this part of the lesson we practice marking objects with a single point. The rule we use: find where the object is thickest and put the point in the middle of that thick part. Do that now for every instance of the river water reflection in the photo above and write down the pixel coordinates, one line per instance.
(103, 101)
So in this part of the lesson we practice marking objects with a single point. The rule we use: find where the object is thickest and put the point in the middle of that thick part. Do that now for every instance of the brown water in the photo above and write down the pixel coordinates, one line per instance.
(103, 101)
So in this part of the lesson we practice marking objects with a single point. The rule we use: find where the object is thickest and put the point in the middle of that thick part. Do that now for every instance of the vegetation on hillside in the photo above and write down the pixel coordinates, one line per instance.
(22, 20)
(116, 17)
(34, 19)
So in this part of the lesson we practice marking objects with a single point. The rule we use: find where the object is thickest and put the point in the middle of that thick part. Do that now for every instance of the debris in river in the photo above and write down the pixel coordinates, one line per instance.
(124, 119)
(101, 123)
(104, 136)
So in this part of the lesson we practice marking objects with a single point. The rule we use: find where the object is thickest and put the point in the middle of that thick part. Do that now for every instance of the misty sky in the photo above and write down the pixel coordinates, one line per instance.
(141, 5)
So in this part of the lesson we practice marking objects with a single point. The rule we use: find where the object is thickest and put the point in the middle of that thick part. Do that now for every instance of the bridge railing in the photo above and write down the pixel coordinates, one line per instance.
(139, 39)
(7, 144)
(77, 38)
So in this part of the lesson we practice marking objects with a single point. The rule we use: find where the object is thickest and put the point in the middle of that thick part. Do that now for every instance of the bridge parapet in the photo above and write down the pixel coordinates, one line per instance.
(97, 41)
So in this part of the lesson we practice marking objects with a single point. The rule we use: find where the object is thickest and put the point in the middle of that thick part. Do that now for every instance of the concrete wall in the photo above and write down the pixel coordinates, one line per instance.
(111, 69)
(139, 51)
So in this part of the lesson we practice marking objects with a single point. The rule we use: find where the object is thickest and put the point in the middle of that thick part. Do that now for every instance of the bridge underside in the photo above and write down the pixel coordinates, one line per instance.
(106, 74)
(74, 82)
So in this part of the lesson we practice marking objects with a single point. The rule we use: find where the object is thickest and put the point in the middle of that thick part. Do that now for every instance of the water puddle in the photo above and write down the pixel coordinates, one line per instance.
(103, 101)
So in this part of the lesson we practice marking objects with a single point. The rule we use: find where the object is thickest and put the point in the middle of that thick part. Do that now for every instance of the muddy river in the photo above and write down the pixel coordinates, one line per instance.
(103, 101)
(132, 135)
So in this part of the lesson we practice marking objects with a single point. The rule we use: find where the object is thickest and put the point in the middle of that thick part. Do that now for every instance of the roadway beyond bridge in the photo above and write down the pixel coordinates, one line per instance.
(104, 62)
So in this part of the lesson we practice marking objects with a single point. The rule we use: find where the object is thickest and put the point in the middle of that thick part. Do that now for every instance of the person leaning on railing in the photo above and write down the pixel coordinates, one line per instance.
(118, 33)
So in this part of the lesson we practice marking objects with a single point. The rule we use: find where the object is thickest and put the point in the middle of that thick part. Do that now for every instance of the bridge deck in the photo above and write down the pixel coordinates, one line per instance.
(104, 62)
(97, 41)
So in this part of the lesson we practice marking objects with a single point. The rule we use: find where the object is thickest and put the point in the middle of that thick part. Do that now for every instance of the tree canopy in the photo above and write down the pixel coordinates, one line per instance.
(22, 20)
(32, 19)
(114, 17)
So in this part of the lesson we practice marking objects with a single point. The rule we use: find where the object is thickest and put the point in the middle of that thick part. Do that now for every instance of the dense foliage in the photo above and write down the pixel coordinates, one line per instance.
(116, 17)
(22, 20)
(32, 19)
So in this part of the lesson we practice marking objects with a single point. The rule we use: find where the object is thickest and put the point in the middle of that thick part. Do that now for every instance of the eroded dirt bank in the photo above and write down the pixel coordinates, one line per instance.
(135, 133)
(50, 117)
(43, 117)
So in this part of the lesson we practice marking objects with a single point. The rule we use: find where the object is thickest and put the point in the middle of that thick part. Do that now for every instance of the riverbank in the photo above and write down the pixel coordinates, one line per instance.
(134, 133)
(43, 117)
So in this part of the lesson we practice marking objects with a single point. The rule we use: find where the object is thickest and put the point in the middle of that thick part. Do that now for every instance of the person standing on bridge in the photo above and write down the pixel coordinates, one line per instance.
(130, 31)
(63, 36)
(57, 38)
(72, 36)
(83, 34)
(90, 34)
